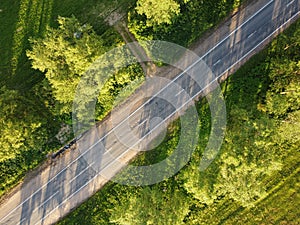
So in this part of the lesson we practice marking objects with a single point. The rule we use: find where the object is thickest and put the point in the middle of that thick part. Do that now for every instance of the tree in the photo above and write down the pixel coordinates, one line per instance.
(201, 184)
(246, 160)
(243, 181)
(283, 96)
(288, 136)
(64, 54)
(151, 206)
(20, 125)
(158, 12)
(284, 93)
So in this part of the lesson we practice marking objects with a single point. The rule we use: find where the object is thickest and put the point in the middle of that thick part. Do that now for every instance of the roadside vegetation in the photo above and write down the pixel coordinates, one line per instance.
(180, 22)
(47, 45)
(41, 43)
(254, 179)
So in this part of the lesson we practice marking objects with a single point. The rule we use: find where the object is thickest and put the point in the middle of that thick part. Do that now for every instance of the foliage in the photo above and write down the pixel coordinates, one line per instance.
(283, 96)
(25, 135)
(20, 124)
(241, 167)
(264, 104)
(151, 206)
(31, 96)
(256, 134)
(278, 206)
(256, 175)
(189, 21)
(116, 84)
(158, 12)
(64, 55)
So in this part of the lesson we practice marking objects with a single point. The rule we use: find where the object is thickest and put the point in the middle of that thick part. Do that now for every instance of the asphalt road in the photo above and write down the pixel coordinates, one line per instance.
(53, 193)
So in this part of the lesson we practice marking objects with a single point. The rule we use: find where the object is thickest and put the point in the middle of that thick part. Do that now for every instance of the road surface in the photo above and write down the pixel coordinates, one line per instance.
(73, 178)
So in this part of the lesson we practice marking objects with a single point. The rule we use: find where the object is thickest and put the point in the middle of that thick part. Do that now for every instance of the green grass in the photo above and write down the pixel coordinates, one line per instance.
(22, 19)
(277, 208)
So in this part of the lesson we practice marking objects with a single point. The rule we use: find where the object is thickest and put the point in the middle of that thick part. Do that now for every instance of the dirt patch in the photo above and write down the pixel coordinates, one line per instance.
(64, 133)
(137, 50)
(115, 17)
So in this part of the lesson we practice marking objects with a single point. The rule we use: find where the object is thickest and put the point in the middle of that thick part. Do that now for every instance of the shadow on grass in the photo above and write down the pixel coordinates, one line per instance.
(33, 17)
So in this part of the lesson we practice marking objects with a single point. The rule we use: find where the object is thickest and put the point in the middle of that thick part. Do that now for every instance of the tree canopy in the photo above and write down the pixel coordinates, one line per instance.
(158, 12)
(151, 206)
(20, 125)
(255, 177)
(64, 54)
